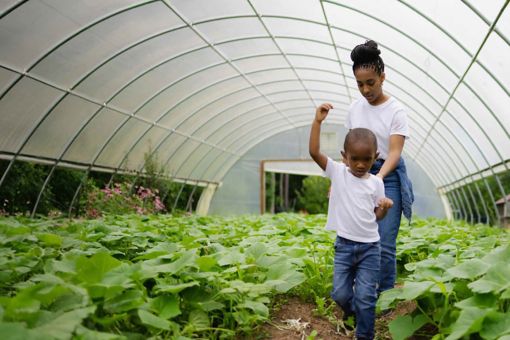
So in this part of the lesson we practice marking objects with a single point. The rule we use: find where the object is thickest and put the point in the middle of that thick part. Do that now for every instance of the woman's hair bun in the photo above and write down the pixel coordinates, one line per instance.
(367, 52)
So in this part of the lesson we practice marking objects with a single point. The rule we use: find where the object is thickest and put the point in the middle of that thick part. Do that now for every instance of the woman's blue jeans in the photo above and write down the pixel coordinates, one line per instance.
(355, 277)
(388, 231)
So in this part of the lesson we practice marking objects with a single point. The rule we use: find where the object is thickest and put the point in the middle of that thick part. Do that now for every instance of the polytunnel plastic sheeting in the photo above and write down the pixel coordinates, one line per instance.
(200, 83)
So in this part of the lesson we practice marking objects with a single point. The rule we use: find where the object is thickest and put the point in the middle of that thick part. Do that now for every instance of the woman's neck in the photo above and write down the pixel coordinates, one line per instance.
(383, 98)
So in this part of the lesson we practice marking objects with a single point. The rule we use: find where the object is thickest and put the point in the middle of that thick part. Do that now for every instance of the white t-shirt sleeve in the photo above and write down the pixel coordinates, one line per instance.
(348, 123)
(331, 165)
(399, 124)
(348, 120)
(379, 191)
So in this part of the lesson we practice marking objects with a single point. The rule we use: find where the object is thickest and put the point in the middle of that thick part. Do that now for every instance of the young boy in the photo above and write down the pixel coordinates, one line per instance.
(356, 201)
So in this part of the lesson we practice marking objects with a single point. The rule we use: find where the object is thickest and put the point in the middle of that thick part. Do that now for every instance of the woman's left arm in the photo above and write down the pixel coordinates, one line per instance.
(395, 150)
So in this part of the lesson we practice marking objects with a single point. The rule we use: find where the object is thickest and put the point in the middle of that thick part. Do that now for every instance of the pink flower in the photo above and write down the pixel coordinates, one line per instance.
(158, 205)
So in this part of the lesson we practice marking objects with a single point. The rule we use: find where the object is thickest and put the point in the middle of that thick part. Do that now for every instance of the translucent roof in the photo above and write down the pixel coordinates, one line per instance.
(200, 82)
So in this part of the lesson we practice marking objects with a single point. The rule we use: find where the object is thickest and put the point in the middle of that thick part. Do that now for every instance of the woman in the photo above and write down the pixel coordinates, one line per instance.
(387, 118)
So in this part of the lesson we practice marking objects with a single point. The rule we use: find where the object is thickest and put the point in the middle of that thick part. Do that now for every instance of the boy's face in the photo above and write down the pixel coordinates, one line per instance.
(359, 157)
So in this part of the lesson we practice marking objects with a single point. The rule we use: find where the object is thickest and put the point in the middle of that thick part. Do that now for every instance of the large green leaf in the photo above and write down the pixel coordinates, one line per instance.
(63, 326)
(174, 288)
(469, 269)
(269, 261)
(92, 270)
(198, 320)
(496, 325)
(210, 305)
(469, 321)
(404, 326)
(50, 240)
(18, 307)
(478, 301)
(388, 298)
(66, 265)
(124, 302)
(283, 277)
(411, 290)
(162, 248)
(496, 280)
(206, 263)
(256, 250)
(166, 306)
(187, 259)
(230, 256)
(255, 306)
(119, 276)
(19, 331)
(152, 320)
(500, 254)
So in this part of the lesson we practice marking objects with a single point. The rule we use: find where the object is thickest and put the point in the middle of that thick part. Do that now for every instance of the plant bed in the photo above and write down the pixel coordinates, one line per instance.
(184, 277)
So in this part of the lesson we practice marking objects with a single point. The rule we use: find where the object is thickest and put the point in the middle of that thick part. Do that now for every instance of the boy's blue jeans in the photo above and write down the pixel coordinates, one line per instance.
(355, 276)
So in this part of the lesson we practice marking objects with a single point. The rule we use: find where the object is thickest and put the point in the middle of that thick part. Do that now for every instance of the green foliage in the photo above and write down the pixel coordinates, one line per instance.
(149, 194)
(164, 276)
(21, 187)
(63, 184)
(313, 196)
(281, 192)
(152, 276)
(458, 276)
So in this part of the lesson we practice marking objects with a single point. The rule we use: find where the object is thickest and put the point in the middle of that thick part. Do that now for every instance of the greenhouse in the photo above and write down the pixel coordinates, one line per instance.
(156, 178)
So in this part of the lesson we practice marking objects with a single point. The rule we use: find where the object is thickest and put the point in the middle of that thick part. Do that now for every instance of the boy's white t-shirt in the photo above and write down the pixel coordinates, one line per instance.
(352, 201)
(386, 119)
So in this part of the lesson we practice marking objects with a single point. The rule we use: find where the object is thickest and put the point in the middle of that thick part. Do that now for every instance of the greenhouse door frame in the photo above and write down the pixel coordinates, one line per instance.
(300, 167)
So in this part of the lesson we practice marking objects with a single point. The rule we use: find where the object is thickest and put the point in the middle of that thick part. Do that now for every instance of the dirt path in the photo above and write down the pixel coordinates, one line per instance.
(295, 320)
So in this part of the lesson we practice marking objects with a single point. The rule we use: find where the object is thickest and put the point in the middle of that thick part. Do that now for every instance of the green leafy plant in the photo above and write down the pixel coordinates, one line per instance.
(142, 276)
(458, 276)
(313, 196)
(132, 275)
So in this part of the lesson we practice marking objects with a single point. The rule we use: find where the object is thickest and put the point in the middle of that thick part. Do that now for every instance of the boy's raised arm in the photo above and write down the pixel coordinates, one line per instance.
(315, 135)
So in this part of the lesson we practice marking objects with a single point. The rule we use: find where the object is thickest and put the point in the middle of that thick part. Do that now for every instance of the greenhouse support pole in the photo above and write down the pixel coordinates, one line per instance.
(262, 190)
(204, 201)
(446, 206)
(178, 195)
(189, 205)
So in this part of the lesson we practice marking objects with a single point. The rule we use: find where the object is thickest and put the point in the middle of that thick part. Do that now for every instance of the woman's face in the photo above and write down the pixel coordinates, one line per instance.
(370, 84)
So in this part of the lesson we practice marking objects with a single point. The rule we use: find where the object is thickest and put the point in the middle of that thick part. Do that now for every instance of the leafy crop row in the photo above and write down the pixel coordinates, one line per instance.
(135, 277)
(459, 277)
(164, 277)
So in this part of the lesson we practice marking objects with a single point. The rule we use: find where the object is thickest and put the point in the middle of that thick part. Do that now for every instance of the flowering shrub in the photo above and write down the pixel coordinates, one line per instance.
(121, 199)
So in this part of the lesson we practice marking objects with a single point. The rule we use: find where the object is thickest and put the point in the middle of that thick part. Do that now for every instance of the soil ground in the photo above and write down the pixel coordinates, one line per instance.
(294, 319)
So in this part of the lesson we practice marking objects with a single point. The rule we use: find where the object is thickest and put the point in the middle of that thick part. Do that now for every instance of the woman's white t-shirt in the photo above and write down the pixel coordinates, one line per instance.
(352, 201)
(386, 119)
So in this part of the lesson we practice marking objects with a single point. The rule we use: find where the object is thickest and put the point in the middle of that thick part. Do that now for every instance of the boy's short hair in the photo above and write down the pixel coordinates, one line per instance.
(360, 134)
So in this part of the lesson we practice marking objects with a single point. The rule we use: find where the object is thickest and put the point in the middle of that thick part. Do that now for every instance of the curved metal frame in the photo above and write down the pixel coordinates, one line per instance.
(188, 24)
